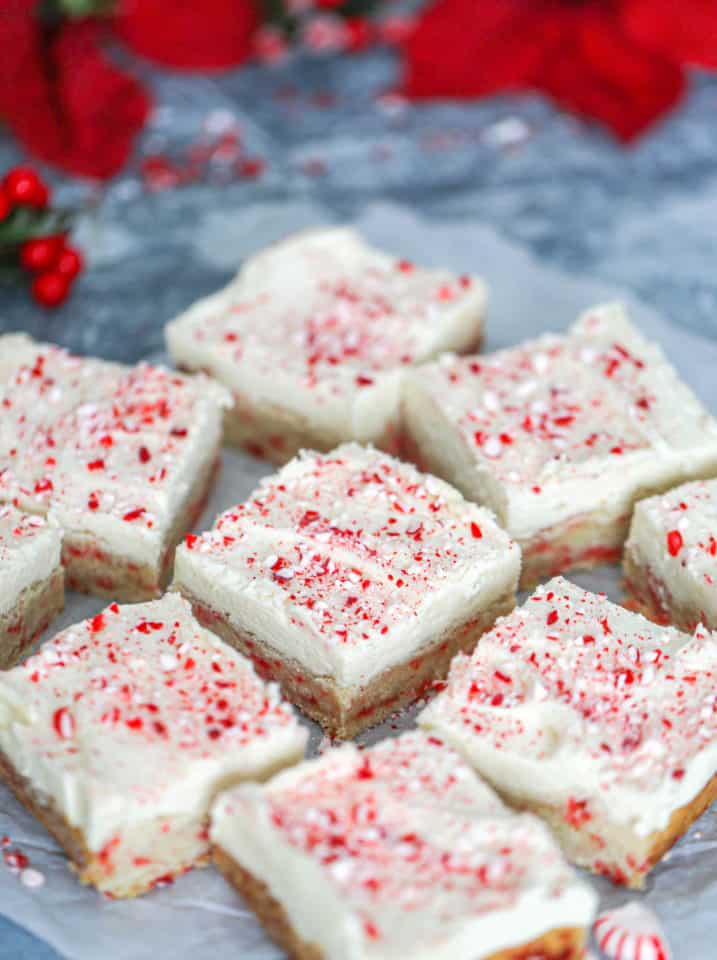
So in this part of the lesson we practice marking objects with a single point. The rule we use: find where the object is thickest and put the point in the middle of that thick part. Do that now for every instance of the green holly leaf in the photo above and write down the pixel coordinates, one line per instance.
(24, 223)
(85, 8)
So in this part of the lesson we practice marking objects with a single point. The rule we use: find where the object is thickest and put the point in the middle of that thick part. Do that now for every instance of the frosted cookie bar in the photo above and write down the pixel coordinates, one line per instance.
(118, 733)
(670, 558)
(121, 457)
(399, 851)
(313, 336)
(352, 579)
(561, 436)
(594, 718)
(31, 581)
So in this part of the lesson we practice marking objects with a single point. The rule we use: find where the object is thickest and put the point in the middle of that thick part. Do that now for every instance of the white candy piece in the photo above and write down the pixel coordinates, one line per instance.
(631, 932)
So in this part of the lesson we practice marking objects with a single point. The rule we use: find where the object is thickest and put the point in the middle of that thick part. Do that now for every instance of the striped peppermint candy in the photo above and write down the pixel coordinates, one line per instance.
(631, 932)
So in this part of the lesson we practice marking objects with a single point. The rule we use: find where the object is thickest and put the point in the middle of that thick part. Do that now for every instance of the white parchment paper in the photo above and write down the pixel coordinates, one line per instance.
(200, 916)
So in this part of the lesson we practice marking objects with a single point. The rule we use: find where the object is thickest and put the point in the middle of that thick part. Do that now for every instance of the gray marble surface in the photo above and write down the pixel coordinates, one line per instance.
(643, 218)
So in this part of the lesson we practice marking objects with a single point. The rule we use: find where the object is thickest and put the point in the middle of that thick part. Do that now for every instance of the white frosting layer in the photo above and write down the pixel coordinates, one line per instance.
(562, 426)
(110, 451)
(350, 562)
(400, 851)
(140, 714)
(29, 554)
(322, 325)
(574, 700)
(674, 537)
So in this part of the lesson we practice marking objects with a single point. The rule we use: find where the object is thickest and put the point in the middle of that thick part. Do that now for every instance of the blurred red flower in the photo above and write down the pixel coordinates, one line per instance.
(61, 97)
(184, 33)
(618, 61)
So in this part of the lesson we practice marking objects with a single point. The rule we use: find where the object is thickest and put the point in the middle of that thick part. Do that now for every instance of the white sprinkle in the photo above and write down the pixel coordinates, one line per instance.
(541, 362)
(506, 132)
(168, 661)
(32, 878)
(491, 401)
(492, 447)
(525, 388)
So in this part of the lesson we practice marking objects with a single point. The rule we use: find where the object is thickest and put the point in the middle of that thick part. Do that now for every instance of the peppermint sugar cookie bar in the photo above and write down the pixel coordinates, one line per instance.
(122, 458)
(31, 581)
(594, 718)
(670, 558)
(118, 733)
(313, 335)
(352, 579)
(398, 851)
(561, 436)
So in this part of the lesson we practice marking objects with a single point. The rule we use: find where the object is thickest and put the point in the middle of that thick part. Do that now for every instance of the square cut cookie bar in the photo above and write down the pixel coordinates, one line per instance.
(670, 558)
(352, 579)
(313, 336)
(561, 436)
(118, 733)
(398, 851)
(594, 718)
(121, 457)
(31, 581)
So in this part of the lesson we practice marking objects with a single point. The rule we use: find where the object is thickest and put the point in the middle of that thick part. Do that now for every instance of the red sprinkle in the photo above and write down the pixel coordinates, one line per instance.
(476, 530)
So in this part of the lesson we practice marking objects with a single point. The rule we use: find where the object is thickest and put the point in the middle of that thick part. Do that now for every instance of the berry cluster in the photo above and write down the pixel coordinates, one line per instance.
(35, 237)
(325, 26)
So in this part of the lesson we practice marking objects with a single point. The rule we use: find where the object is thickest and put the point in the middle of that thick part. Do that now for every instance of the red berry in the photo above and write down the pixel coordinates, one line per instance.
(40, 253)
(51, 288)
(23, 186)
(69, 263)
(5, 205)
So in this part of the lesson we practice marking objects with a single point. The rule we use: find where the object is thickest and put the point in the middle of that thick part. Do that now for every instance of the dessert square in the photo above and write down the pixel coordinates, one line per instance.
(351, 579)
(398, 851)
(313, 335)
(32, 589)
(594, 718)
(560, 436)
(670, 558)
(119, 732)
(122, 458)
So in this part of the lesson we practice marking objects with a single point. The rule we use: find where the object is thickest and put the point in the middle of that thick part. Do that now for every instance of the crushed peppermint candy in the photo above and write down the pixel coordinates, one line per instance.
(354, 540)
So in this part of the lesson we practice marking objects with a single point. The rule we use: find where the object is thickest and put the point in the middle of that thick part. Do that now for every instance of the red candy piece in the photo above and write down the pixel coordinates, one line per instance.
(674, 542)
(64, 723)
(631, 932)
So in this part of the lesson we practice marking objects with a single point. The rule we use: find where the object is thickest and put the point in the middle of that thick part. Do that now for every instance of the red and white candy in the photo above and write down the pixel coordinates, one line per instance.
(631, 932)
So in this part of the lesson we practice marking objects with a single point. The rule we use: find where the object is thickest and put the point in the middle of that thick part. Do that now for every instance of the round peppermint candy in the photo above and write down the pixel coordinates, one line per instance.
(631, 932)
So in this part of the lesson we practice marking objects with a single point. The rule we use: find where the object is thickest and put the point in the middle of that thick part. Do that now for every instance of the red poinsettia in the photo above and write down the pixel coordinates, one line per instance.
(184, 33)
(618, 61)
(60, 95)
